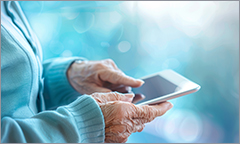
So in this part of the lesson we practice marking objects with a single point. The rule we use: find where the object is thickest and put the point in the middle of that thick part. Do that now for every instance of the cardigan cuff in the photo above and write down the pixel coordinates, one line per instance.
(89, 119)
(59, 91)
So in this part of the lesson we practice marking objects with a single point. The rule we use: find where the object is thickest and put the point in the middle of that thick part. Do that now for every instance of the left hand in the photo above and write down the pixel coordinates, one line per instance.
(104, 76)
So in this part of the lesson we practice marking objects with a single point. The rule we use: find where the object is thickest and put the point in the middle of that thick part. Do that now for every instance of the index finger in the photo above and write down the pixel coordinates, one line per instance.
(116, 77)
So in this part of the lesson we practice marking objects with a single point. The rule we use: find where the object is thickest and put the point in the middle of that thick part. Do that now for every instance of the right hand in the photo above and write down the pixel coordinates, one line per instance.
(88, 77)
(123, 118)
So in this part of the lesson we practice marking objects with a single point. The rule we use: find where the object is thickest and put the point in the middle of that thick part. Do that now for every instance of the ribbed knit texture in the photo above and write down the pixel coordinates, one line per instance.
(58, 90)
(79, 122)
(89, 119)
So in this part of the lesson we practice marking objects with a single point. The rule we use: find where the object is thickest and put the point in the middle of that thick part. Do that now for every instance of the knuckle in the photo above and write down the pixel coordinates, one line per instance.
(110, 61)
(115, 95)
(95, 94)
(141, 128)
(122, 109)
(159, 112)
(117, 76)
(100, 65)
(138, 122)
(114, 76)
(125, 140)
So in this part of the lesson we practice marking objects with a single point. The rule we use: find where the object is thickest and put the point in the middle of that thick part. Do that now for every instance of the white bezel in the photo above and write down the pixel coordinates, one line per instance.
(185, 86)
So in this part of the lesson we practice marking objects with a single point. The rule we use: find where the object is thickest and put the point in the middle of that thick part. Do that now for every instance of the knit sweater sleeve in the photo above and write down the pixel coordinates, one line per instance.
(57, 89)
(80, 121)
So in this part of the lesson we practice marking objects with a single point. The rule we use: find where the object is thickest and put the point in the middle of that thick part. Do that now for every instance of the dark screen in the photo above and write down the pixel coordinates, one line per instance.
(155, 87)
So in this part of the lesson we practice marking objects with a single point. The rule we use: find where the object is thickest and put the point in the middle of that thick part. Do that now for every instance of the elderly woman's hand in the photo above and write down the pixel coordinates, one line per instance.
(123, 118)
(88, 77)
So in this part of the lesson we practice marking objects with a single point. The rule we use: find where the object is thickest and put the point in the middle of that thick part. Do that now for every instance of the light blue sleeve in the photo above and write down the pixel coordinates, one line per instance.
(81, 121)
(57, 89)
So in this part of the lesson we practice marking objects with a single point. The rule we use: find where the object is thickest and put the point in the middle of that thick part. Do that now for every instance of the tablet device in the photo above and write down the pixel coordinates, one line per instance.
(163, 86)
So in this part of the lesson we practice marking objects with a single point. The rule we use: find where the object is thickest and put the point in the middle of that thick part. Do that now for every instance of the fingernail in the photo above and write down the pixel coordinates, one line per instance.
(170, 105)
(129, 89)
(128, 97)
(141, 81)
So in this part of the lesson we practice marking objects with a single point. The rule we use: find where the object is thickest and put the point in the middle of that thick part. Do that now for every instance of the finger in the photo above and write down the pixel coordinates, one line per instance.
(118, 87)
(121, 138)
(125, 140)
(116, 77)
(140, 127)
(113, 96)
(115, 86)
(158, 103)
(122, 89)
(115, 129)
(122, 97)
(148, 113)
(162, 108)
(111, 86)
(116, 133)
(138, 97)
(111, 63)
(95, 88)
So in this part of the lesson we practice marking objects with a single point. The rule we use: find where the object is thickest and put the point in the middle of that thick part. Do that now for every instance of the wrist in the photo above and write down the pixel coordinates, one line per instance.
(89, 119)
(74, 71)
(71, 67)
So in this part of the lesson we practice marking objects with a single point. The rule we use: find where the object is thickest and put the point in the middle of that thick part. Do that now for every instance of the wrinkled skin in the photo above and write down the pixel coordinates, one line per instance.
(88, 77)
(123, 118)
(103, 98)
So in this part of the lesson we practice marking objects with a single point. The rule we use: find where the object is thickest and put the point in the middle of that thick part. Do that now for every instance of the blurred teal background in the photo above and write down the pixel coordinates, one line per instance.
(199, 40)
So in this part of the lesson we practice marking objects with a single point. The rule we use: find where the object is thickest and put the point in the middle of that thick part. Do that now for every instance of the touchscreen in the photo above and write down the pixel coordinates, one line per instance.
(155, 87)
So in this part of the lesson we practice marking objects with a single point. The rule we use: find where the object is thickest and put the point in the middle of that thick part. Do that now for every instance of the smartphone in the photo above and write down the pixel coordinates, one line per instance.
(163, 86)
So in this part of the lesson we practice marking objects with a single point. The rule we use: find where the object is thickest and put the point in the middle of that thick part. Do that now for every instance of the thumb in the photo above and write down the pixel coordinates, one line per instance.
(127, 97)
(116, 96)
(113, 96)
(147, 113)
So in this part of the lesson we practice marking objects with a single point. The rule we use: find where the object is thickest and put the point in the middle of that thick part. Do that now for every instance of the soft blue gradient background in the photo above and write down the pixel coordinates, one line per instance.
(199, 40)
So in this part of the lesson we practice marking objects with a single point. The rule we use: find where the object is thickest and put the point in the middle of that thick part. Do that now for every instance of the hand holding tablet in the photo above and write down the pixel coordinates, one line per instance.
(163, 86)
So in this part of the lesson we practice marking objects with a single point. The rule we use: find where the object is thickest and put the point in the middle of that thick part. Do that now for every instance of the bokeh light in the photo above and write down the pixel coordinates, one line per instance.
(198, 39)
(66, 53)
(84, 22)
(124, 46)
